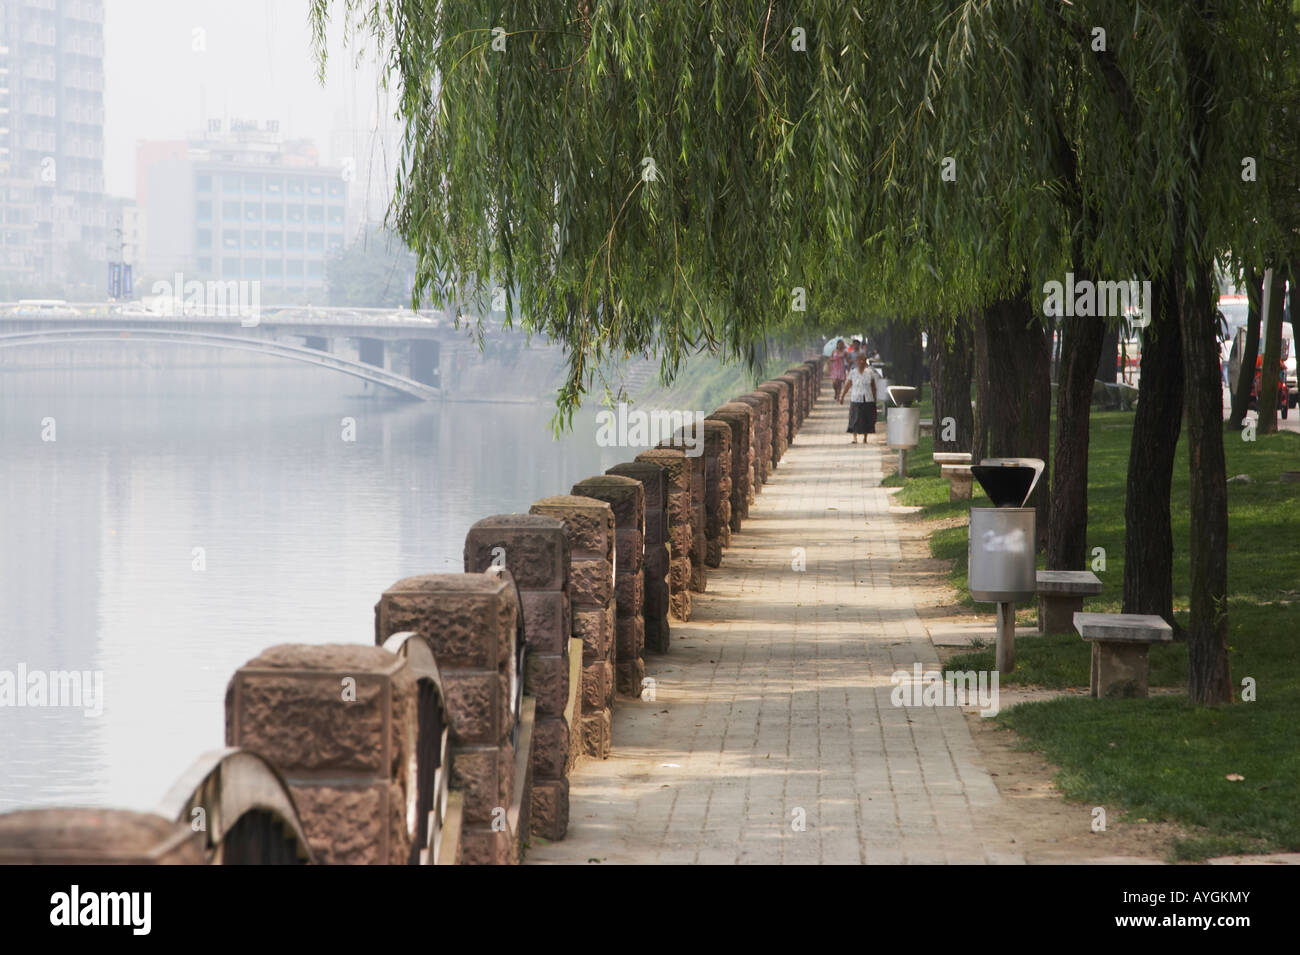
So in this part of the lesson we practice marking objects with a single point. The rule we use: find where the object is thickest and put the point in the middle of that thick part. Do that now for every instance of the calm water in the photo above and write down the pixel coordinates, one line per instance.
(300, 530)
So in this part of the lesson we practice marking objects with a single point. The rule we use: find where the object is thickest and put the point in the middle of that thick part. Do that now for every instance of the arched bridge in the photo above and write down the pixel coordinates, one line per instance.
(260, 345)
(421, 354)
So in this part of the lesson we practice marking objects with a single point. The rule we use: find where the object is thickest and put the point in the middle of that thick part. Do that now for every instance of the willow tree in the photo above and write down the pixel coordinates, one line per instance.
(666, 177)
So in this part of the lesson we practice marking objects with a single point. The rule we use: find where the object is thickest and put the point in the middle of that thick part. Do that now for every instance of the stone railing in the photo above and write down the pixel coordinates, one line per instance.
(454, 737)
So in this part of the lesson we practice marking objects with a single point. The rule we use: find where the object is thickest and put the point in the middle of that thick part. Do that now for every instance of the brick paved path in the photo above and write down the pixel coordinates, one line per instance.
(775, 698)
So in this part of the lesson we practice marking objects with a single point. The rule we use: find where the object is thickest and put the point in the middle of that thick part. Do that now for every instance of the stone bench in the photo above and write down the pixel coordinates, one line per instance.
(1060, 597)
(959, 481)
(1119, 650)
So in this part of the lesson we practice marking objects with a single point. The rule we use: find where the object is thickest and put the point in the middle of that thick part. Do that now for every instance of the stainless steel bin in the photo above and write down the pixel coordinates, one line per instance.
(903, 427)
(1001, 554)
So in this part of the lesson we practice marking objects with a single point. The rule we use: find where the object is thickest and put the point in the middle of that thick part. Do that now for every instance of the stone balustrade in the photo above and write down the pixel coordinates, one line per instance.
(340, 723)
(717, 490)
(762, 404)
(535, 550)
(519, 663)
(739, 418)
(626, 498)
(589, 527)
(681, 538)
(655, 593)
(474, 625)
(780, 427)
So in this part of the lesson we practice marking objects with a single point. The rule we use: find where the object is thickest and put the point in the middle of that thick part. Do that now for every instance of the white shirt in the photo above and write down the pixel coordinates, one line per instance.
(862, 384)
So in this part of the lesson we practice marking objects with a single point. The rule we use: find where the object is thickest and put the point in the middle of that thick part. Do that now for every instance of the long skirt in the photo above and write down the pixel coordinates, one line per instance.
(862, 417)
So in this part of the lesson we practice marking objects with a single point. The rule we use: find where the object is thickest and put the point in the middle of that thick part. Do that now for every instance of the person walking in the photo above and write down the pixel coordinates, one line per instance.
(861, 391)
(839, 368)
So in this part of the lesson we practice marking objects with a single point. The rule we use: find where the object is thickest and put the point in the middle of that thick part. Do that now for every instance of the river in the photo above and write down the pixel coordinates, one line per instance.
(189, 513)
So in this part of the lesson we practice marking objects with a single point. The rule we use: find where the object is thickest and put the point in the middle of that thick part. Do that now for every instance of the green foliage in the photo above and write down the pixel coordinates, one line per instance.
(530, 127)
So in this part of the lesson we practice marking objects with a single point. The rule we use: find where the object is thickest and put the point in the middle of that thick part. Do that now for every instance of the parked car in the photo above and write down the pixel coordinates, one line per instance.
(1287, 382)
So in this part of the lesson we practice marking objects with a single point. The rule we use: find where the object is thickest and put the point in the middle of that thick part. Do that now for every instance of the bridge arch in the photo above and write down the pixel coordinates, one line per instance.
(367, 372)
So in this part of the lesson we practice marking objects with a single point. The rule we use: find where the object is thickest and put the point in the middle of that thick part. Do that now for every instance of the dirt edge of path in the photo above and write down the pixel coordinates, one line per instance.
(1044, 827)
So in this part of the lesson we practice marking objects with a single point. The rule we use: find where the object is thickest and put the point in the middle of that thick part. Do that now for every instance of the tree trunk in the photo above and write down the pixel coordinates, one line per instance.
(1019, 418)
(906, 355)
(1208, 679)
(980, 425)
(1107, 364)
(951, 358)
(1067, 529)
(1148, 531)
(1268, 389)
(1241, 393)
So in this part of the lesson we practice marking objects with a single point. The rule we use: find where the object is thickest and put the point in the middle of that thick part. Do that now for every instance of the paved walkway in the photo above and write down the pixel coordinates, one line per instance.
(773, 703)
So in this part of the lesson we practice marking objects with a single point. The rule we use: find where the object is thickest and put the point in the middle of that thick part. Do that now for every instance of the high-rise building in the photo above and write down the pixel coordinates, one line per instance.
(53, 221)
(240, 204)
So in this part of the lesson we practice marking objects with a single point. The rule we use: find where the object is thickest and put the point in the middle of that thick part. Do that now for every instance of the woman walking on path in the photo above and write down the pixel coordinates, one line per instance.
(862, 398)
(838, 369)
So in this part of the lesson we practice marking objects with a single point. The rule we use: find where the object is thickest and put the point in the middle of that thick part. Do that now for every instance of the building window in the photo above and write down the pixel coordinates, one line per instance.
(336, 189)
(253, 184)
(315, 215)
(253, 240)
(293, 268)
(293, 214)
(315, 270)
(203, 239)
(293, 187)
(274, 212)
(274, 268)
(203, 211)
(230, 238)
(252, 268)
(315, 242)
(203, 182)
(229, 268)
(315, 187)
(275, 241)
(252, 212)
(274, 186)
(293, 240)
(336, 215)
(229, 183)
(230, 210)
(334, 243)
(205, 264)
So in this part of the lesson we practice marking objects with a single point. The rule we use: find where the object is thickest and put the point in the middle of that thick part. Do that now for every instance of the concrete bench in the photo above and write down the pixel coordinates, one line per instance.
(959, 481)
(1119, 650)
(1060, 597)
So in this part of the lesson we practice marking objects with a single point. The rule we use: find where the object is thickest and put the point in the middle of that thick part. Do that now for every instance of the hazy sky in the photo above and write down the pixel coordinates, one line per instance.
(257, 64)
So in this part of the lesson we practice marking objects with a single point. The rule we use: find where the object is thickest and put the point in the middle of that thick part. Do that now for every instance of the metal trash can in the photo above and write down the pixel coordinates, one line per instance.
(902, 421)
(1001, 544)
(1001, 556)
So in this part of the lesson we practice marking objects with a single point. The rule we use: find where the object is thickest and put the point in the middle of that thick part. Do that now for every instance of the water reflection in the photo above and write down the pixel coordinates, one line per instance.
(299, 530)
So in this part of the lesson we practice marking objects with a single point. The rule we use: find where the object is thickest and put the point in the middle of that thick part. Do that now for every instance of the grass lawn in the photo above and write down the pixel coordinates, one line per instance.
(1161, 759)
